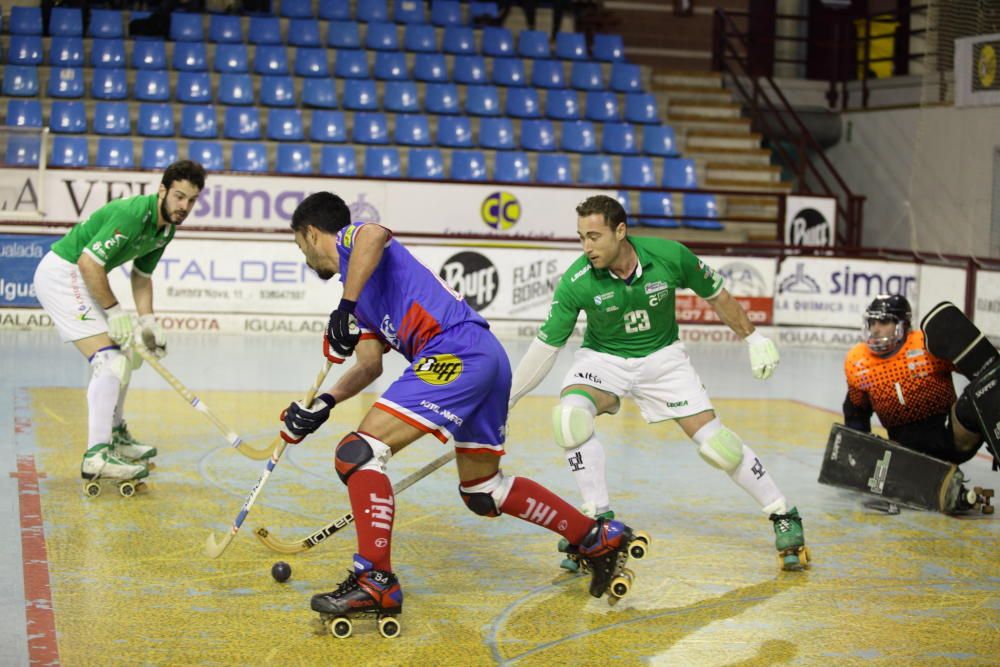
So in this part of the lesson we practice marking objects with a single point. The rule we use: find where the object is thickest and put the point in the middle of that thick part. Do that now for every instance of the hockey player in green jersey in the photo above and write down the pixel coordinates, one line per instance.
(71, 283)
(626, 286)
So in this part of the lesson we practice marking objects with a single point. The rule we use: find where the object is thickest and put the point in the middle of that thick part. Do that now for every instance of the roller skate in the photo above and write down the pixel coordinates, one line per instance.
(100, 463)
(365, 592)
(604, 552)
(793, 555)
(975, 499)
(571, 563)
(128, 448)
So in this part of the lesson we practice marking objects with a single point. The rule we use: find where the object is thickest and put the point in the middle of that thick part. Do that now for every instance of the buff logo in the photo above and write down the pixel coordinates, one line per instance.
(500, 211)
(439, 369)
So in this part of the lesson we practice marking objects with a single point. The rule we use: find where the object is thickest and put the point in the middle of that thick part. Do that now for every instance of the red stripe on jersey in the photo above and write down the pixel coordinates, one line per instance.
(418, 326)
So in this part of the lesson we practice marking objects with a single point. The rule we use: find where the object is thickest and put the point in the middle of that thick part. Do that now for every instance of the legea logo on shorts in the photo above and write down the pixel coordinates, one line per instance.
(501, 210)
(439, 369)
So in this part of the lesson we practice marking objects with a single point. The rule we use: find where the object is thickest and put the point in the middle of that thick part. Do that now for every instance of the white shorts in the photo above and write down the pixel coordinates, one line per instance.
(64, 296)
(664, 385)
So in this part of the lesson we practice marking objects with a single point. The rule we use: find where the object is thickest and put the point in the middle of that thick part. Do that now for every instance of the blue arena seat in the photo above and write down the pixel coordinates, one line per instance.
(619, 139)
(509, 72)
(441, 98)
(547, 74)
(311, 62)
(554, 168)
(198, 121)
(420, 38)
(231, 59)
(637, 172)
(65, 22)
(23, 81)
(469, 68)
(370, 11)
(343, 35)
(370, 127)
(152, 85)
(498, 42)
(235, 89)
(264, 30)
(109, 84)
(270, 59)
(155, 120)
(64, 82)
(337, 161)
(319, 93)
(401, 97)
(294, 159)
(68, 117)
(624, 199)
(445, 13)
(468, 166)
(483, 100)
(190, 57)
(106, 24)
(285, 125)
(25, 20)
(601, 106)
(496, 134)
(22, 151)
(425, 163)
(659, 140)
(701, 211)
(430, 67)
(193, 87)
(185, 27)
(608, 48)
(381, 36)
(596, 170)
(158, 153)
(115, 152)
(248, 156)
(538, 135)
(579, 136)
(24, 113)
(408, 11)
(360, 95)
(225, 29)
(391, 66)
(328, 126)
(241, 123)
(277, 90)
(454, 132)
(208, 154)
(334, 10)
(586, 75)
(523, 103)
(107, 53)
(25, 50)
(66, 52)
(351, 64)
(483, 9)
(304, 32)
(659, 205)
(641, 108)
(382, 162)
(512, 167)
(413, 130)
(295, 9)
(571, 46)
(679, 173)
(562, 105)
(533, 44)
(458, 39)
(68, 151)
(112, 118)
(149, 54)
(626, 78)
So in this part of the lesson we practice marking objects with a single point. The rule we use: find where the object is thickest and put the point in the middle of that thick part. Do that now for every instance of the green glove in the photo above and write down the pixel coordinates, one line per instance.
(763, 355)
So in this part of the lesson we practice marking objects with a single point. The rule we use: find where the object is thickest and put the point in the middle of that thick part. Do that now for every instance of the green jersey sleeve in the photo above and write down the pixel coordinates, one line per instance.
(697, 275)
(110, 245)
(147, 263)
(563, 313)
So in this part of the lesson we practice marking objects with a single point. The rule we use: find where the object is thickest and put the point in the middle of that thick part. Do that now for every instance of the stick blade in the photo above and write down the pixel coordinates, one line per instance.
(280, 546)
(214, 549)
(255, 454)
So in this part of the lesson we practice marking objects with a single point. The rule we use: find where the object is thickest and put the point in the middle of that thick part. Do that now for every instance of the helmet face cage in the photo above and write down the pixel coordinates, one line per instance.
(884, 308)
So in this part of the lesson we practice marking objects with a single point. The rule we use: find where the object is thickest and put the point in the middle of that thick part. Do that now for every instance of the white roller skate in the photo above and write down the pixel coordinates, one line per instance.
(100, 463)
(128, 448)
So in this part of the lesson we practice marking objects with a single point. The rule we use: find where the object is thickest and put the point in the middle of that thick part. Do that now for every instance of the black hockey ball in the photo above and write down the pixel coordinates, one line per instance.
(281, 571)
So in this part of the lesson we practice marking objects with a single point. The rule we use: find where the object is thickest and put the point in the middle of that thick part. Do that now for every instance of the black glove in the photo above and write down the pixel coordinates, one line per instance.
(301, 419)
(342, 333)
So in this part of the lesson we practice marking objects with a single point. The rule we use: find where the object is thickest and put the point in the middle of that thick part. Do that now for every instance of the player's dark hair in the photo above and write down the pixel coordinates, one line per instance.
(184, 170)
(323, 210)
(609, 207)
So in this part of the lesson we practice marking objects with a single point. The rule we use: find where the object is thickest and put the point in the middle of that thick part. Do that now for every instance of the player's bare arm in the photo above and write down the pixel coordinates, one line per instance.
(96, 279)
(731, 313)
(142, 292)
(366, 369)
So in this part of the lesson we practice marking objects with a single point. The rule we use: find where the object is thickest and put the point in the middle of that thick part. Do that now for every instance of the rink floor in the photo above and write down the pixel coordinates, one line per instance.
(110, 580)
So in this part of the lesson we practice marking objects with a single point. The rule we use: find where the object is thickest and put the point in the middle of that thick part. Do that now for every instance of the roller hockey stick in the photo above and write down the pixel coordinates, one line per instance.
(213, 547)
(273, 543)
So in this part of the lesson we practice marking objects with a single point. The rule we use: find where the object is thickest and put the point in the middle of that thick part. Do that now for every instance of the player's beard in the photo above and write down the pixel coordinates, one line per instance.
(167, 215)
(324, 274)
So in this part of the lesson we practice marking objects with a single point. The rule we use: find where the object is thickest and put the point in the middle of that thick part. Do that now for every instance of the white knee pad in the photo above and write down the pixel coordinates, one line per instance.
(573, 420)
(112, 362)
(487, 497)
(719, 446)
(380, 454)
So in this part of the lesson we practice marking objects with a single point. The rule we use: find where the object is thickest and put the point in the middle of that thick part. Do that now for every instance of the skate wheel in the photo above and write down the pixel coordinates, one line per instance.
(341, 627)
(92, 489)
(637, 550)
(388, 627)
(988, 509)
(620, 586)
(140, 486)
(127, 489)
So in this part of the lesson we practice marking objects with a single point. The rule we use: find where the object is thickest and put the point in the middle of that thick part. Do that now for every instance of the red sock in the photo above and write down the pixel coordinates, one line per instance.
(374, 508)
(534, 503)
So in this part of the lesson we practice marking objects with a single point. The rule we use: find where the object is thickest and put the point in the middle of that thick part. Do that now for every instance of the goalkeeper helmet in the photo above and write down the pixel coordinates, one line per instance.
(886, 309)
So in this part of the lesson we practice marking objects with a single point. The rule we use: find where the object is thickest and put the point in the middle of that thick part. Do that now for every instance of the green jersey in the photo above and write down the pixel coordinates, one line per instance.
(120, 231)
(628, 320)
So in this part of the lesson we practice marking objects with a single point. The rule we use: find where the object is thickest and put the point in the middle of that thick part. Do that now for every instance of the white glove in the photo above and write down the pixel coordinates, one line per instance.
(152, 336)
(119, 324)
(763, 355)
